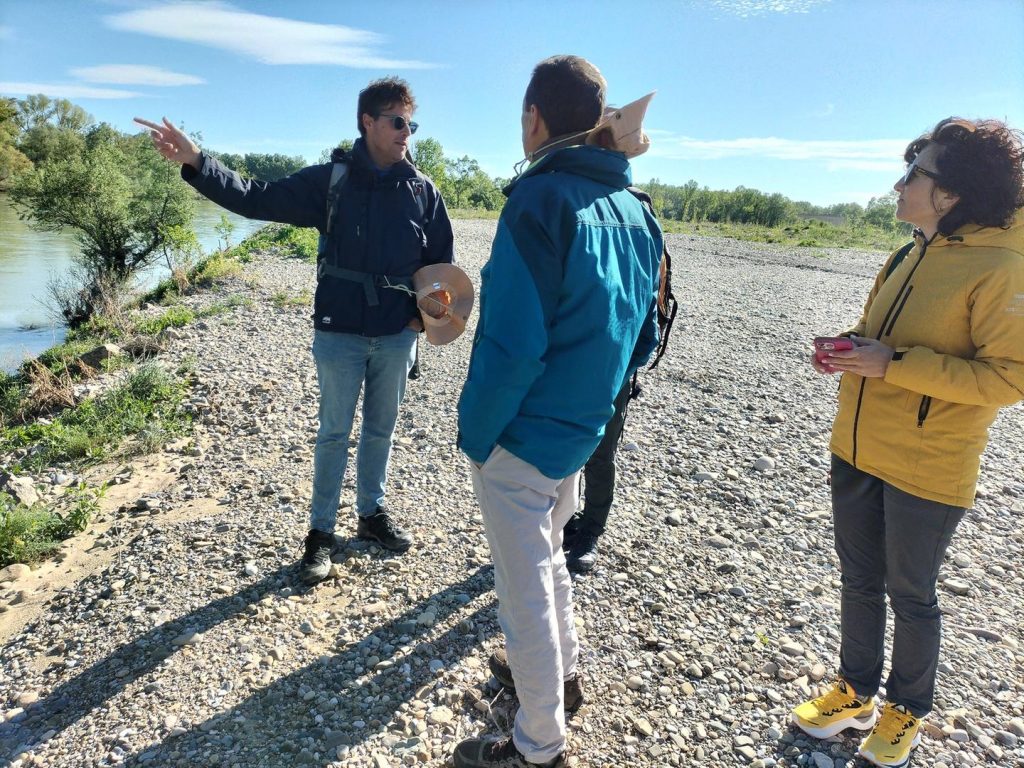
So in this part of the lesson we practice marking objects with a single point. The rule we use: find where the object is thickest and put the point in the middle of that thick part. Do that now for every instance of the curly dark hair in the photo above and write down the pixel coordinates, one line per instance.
(381, 94)
(982, 163)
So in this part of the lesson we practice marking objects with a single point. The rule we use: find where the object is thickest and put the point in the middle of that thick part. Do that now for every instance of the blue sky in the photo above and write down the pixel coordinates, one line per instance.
(811, 98)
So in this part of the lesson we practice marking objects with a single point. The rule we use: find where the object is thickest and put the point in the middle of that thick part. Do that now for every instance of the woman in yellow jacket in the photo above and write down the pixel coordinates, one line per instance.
(938, 350)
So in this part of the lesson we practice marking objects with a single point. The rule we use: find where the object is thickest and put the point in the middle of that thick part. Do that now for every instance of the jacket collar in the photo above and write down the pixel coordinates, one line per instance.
(602, 165)
(1010, 237)
(360, 155)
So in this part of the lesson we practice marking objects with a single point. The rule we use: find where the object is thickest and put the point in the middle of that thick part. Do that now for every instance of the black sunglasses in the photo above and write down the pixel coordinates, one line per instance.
(914, 169)
(398, 123)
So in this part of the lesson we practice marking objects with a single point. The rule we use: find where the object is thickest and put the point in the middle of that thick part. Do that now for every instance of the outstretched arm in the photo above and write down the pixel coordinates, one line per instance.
(172, 143)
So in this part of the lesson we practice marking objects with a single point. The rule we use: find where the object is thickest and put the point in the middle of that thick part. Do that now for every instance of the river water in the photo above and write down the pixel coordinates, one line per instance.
(30, 260)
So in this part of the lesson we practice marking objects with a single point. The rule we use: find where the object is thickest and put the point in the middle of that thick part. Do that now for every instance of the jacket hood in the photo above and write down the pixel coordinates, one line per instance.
(1010, 239)
(601, 165)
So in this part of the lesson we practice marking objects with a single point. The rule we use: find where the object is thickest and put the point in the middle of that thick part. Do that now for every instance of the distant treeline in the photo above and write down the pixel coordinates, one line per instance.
(691, 202)
(37, 127)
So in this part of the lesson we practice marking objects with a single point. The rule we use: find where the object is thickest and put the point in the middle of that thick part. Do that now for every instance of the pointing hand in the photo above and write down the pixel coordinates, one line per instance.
(172, 143)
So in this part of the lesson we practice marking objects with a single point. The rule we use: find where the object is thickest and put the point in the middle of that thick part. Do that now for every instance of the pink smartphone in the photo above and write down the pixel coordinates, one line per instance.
(825, 344)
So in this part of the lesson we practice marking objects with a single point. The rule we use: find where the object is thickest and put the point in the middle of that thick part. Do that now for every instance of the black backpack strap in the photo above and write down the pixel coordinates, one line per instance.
(339, 174)
(667, 304)
(898, 258)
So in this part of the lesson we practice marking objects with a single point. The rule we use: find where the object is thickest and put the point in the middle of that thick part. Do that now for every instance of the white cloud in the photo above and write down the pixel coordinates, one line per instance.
(747, 8)
(270, 39)
(66, 91)
(875, 151)
(134, 74)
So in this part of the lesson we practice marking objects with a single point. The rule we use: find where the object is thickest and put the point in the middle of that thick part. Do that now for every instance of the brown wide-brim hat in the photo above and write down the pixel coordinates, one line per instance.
(456, 284)
(625, 124)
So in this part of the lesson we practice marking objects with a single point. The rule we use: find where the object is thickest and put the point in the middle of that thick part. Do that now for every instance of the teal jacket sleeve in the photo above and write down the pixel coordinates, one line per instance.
(518, 298)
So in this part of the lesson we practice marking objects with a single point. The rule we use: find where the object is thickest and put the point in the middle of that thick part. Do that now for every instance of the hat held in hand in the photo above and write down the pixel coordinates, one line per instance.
(621, 128)
(444, 296)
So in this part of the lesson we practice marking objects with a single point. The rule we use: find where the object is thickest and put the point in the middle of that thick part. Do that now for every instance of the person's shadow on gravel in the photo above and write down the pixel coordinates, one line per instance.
(71, 700)
(392, 673)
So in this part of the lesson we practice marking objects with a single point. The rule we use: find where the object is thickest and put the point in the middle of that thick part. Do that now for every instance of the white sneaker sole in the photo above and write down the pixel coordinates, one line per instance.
(876, 761)
(860, 723)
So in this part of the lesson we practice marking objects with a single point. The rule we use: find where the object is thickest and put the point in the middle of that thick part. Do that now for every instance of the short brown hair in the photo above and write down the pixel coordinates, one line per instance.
(381, 94)
(982, 163)
(568, 91)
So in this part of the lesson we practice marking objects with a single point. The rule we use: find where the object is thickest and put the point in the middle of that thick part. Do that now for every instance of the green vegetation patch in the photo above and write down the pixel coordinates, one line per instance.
(297, 242)
(282, 299)
(145, 407)
(30, 534)
(807, 234)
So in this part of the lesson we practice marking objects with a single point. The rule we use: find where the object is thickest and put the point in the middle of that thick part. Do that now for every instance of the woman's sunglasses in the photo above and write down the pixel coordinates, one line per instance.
(913, 169)
(398, 123)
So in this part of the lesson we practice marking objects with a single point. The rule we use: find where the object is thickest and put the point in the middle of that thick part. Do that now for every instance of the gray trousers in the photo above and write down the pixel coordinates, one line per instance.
(524, 513)
(889, 542)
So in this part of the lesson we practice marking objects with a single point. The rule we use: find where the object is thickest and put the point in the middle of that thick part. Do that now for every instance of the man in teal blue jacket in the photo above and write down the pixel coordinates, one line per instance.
(567, 313)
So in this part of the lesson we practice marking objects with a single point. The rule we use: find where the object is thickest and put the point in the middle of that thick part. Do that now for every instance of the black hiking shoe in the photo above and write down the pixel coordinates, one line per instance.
(582, 557)
(484, 753)
(379, 527)
(316, 561)
(572, 698)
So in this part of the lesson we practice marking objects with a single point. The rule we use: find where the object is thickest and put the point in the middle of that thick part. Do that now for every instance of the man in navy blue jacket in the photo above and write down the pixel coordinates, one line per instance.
(567, 313)
(388, 221)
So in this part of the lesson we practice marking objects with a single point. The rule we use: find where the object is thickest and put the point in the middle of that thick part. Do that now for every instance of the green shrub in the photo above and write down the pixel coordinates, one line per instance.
(298, 242)
(175, 317)
(29, 534)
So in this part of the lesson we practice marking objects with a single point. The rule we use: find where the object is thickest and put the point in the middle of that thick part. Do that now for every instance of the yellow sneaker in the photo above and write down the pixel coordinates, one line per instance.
(835, 711)
(891, 740)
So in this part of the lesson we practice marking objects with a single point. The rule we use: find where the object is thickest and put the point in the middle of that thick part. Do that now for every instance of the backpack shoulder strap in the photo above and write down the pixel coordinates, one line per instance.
(898, 258)
(339, 173)
(667, 304)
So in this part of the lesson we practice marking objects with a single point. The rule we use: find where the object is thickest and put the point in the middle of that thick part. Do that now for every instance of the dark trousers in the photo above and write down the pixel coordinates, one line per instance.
(599, 474)
(889, 542)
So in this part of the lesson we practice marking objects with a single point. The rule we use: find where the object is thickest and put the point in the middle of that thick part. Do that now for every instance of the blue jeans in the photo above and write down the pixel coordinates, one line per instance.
(344, 362)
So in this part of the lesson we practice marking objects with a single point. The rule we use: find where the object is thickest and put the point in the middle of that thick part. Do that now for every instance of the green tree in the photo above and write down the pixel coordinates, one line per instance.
(272, 167)
(126, 205)
(50, 127)
(881, 212)
(345, 145)
(12, 160)
(428, 156)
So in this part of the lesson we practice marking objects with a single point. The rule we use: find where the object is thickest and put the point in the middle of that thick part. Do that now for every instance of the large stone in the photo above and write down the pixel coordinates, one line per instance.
(94, 357)
(14, 572)
(22, 489)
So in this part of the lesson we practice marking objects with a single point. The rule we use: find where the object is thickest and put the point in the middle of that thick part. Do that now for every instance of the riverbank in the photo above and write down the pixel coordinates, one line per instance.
(174, 631)
(30, 260)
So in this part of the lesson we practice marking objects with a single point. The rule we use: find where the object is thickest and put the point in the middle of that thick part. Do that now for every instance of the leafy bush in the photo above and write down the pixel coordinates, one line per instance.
(175, 317)
(298, 242)
(29, 534)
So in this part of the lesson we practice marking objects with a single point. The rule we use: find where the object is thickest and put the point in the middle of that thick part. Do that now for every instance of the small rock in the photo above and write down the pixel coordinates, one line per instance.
(957, 586)
(440, 715)
(765, 464)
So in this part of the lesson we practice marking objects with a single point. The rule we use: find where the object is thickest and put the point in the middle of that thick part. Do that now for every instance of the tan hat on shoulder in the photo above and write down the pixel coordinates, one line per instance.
(445, 318)
(624, 125)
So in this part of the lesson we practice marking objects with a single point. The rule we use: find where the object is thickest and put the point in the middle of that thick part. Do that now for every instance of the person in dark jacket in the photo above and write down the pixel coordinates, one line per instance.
(567, 313)
(388, 221)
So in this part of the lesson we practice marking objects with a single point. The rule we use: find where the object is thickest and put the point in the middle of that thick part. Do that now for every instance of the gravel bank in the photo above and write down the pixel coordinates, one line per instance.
(713, 609)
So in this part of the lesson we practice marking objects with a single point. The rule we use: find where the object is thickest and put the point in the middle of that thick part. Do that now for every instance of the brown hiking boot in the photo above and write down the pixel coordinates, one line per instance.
(573, 690)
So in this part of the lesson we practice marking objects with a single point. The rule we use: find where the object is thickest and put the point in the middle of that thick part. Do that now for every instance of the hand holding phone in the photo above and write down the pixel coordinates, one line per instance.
(824, 345)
